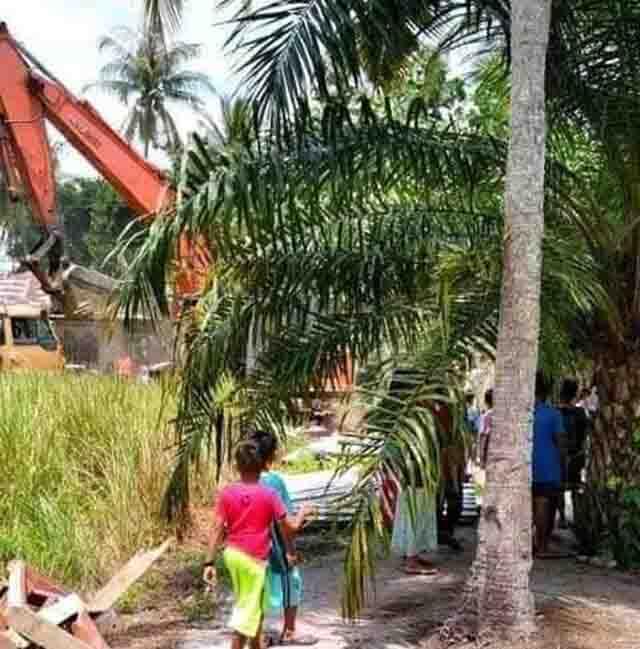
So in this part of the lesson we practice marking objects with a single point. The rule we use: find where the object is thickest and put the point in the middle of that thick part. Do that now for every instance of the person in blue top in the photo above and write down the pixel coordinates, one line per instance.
(284, 580)
(548, 430)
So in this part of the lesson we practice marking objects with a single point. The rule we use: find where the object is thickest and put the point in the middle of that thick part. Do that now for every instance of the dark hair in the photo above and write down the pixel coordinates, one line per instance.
(543, 387)
(569, 390)
(469, 398)
(267, 444)
(248, 458)
(488, 398)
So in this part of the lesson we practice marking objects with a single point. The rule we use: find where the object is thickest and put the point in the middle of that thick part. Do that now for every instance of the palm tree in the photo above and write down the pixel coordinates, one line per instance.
(382, 236)
(590, 81)
(499, 597)
(163, 17)
(383, 300)
(150, 78)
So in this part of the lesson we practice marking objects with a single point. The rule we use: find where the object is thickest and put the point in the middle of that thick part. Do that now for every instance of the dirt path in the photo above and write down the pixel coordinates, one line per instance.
(580, 608)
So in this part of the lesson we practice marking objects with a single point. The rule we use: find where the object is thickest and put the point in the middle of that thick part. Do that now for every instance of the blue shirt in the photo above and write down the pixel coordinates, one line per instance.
(274, 481)
(547, 426)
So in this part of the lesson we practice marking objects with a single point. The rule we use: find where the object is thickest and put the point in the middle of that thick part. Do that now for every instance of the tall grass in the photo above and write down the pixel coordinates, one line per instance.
(84, 464)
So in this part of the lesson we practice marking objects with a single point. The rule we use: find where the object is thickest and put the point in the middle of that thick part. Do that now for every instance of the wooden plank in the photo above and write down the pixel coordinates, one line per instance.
(118, 585)
(42, 586)
(63, 610)
(41, 632)
(5, 641)
(85, 629)
(16, 639)
(17, 595)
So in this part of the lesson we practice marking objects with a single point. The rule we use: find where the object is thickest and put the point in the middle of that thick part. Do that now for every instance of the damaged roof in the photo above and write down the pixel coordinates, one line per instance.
(22, 288)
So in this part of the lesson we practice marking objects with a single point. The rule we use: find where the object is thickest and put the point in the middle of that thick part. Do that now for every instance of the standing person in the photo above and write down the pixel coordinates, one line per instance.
(473, 419)
(472, 414)
(284, 580)
(245, 512)
(583, 402)
(452, 470)
(415, 526)
(593, 401)
(547, 471)
(486, 424)
(415, 530)
(576, 422)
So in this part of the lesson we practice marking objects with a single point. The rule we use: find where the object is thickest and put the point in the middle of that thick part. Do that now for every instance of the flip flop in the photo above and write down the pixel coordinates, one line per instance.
(424, 572)
(298, 641)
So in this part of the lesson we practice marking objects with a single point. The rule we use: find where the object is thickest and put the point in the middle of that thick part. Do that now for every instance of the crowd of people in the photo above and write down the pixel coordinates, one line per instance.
(560, 446)
(256, 525)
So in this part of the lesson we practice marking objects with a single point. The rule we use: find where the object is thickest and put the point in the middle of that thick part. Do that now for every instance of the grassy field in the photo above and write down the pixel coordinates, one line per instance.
(85, 462)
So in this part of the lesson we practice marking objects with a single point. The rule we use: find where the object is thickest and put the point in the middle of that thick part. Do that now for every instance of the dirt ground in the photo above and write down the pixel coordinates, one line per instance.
(579, 607)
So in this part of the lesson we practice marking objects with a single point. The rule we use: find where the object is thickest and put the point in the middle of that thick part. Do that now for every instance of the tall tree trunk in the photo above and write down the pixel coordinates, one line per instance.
(498, 601)
(613, 455)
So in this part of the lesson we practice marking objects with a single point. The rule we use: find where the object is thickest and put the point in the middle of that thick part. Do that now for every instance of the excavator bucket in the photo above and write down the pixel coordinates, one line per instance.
(85, 293)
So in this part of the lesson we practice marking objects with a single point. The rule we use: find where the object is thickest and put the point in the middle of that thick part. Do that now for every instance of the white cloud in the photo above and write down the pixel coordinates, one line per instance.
(63, 35)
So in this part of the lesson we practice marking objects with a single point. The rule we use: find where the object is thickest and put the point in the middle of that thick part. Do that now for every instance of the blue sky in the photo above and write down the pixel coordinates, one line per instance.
(63, 34)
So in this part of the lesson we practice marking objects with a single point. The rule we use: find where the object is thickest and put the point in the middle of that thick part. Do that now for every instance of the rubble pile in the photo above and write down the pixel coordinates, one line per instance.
(37, 612)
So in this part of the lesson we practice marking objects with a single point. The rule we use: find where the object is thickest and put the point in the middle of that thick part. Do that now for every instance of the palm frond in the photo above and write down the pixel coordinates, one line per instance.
(163, 17)
(177, 54)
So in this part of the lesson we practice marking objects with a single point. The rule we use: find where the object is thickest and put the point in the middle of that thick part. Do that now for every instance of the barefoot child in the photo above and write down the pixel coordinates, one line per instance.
(283, 576)
(245, 513)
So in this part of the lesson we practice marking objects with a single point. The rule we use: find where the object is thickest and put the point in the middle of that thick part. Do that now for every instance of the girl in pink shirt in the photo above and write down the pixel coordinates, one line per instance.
(245, 512)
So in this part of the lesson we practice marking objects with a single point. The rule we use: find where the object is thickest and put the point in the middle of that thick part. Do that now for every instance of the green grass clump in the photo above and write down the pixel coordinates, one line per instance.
(309, 463)
(85, 462)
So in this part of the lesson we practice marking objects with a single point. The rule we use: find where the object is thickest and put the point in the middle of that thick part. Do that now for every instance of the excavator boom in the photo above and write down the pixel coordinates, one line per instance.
(144, 187)
(27, 100)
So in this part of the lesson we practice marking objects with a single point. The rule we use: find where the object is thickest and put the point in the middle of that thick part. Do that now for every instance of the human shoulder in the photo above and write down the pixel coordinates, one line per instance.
(273, 480)
(228, 491)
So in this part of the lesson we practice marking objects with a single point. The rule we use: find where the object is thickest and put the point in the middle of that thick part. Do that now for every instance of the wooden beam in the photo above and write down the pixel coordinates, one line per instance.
(16, 639)
(43, 586)
(118, 585)
(63, 610)
(42, 632)
(85, 629)
(17, 595)
(5, 641)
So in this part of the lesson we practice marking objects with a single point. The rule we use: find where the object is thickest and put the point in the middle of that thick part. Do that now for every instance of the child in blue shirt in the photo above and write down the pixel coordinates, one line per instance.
(284, 580)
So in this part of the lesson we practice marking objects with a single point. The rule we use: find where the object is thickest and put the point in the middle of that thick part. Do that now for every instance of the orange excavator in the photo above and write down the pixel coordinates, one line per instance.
(29, 97)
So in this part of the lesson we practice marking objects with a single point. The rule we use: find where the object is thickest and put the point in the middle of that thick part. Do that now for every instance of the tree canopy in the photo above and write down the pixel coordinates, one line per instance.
(149, 76)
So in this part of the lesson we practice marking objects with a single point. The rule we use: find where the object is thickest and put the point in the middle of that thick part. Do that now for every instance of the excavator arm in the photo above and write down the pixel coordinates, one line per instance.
(27, 100)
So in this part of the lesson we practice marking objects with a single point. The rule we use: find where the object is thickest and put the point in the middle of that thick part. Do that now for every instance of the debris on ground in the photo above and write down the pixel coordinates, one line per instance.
(35, 611)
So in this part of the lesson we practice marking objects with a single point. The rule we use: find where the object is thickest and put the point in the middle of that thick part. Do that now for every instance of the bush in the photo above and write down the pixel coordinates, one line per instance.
(624, 523)
(607, 520)
(85, 462)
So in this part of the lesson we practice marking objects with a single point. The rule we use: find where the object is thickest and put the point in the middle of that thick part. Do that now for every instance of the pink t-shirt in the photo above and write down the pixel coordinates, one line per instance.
(248, 510)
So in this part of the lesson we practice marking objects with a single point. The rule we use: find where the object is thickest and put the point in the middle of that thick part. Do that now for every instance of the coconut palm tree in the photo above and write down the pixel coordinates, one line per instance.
(163, 17)
(380, 234)
(151, 79)
(325, 47)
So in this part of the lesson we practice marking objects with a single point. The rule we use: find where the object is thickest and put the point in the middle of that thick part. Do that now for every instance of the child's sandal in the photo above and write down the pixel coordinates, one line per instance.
(294, 640)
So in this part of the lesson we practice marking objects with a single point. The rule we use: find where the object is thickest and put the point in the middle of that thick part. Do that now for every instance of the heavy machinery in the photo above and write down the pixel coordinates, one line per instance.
(29, 97)
(28, 340)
